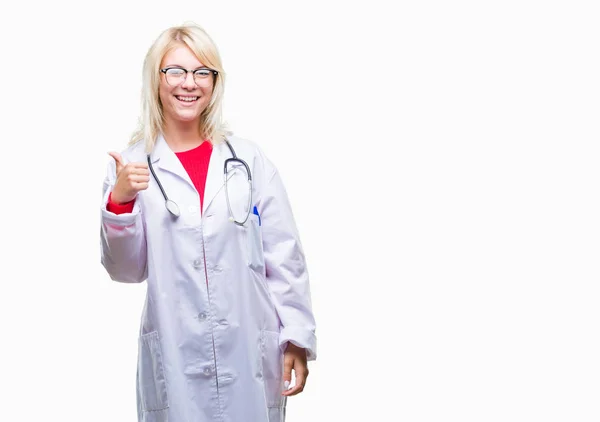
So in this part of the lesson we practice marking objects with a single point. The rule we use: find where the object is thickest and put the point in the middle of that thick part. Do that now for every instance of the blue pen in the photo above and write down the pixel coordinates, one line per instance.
(257, 214)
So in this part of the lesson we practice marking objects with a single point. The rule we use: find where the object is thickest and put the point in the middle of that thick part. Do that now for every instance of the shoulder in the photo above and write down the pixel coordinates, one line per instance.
(246, 149)
(244, 146)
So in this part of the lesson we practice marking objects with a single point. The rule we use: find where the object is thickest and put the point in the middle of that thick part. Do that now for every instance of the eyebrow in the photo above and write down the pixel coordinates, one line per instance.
(183, 67)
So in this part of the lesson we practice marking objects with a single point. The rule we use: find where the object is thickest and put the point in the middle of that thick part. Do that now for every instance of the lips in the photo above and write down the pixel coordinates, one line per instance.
(187, 98)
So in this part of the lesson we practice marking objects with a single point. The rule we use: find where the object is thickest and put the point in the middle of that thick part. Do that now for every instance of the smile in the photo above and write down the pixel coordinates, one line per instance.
(186, 99)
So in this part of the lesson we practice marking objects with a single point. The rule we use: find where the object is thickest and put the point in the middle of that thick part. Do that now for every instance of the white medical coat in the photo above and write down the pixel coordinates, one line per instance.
(222, 300)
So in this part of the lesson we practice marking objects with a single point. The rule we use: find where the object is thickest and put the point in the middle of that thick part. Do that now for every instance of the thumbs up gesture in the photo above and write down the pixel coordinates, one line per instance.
(131, 179)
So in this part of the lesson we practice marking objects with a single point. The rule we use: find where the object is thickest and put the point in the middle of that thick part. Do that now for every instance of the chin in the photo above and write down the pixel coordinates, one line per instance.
(187, 117)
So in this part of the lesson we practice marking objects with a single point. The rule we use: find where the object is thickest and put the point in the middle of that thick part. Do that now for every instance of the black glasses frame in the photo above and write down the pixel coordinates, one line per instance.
(166, 69)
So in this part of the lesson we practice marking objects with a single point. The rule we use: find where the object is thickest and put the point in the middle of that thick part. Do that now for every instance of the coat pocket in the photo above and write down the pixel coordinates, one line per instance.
(254, 246)
(152, 386)
(272, 368)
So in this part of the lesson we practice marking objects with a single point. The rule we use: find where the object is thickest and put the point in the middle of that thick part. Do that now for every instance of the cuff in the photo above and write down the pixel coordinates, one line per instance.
(301, 337)
(111, 218)
(115, 208)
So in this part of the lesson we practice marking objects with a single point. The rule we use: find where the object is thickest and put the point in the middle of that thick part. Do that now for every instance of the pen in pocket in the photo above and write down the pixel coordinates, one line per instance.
(257, 214)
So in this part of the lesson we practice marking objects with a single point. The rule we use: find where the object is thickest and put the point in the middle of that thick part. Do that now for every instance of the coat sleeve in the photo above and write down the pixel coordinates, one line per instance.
(122, 238)
(286, 272)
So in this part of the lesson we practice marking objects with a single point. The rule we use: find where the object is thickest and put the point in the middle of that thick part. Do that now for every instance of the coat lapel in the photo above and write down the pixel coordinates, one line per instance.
(165, 159)
(215, 179)
(214, 176)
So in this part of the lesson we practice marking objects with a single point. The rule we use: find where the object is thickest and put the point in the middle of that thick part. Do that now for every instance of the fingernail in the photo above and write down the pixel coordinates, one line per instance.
(286, 385)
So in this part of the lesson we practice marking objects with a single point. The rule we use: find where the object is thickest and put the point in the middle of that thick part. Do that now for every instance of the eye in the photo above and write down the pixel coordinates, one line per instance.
(175, 72)
(202, 73)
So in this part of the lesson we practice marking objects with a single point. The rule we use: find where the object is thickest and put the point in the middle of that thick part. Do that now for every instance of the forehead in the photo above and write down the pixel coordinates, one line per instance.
(180, 55)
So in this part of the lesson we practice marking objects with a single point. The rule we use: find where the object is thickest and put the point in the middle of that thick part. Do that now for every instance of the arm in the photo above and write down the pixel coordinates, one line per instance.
(123, 238)
(287, 275)
(115, 208)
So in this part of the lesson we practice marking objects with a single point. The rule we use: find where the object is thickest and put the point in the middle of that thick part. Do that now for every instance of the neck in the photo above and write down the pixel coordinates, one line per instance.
(182, 136)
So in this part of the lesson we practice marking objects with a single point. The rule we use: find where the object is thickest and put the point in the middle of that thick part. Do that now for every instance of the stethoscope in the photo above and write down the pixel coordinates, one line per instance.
(173, 208)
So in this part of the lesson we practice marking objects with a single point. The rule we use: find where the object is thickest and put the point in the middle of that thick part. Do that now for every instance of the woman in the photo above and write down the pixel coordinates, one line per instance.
(227, 314)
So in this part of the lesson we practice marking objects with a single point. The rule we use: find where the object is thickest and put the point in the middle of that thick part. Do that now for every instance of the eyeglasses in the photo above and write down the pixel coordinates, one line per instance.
(175, 76)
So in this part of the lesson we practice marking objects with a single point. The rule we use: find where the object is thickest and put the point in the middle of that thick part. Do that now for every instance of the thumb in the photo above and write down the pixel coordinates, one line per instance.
(118, 160)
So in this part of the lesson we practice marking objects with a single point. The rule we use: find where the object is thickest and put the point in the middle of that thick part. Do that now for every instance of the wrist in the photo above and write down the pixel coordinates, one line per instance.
(117, 200)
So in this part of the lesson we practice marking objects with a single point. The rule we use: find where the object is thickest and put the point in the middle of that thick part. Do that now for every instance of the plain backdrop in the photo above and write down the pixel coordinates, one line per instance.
(442, 163)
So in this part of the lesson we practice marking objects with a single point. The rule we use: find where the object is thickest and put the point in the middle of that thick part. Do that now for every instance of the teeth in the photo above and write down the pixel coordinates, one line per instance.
(187, 98)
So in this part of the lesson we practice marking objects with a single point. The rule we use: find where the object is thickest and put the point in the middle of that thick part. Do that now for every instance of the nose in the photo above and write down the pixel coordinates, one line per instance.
(189, 82)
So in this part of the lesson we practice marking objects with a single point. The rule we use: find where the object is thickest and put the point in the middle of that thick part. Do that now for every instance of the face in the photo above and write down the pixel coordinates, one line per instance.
(184, 101)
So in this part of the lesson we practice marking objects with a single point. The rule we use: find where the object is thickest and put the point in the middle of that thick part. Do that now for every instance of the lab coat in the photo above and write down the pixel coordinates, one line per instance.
(222, 300)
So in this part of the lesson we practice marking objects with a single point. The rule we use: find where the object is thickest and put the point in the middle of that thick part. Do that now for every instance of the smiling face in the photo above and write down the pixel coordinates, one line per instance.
(184, 100)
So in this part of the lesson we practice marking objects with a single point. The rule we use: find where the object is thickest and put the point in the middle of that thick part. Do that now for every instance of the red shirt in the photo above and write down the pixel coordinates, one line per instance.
(195, 161)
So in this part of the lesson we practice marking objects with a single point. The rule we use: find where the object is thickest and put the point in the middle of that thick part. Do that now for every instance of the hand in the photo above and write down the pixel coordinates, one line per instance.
(294, 357)
(131, 179)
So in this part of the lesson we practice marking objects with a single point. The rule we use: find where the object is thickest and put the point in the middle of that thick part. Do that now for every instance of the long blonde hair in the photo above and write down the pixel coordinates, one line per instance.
(151, 120)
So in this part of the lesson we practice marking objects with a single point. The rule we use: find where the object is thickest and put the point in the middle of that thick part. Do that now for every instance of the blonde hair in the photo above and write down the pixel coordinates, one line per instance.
(151, 120)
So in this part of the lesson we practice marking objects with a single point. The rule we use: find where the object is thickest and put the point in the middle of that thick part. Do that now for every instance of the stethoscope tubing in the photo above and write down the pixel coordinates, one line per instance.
(173, 208)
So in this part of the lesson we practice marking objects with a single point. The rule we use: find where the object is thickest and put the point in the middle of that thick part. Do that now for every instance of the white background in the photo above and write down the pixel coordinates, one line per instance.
(442, 163)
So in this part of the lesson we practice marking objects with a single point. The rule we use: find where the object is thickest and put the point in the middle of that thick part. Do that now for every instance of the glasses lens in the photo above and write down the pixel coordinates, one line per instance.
(175, 76)
(202, 74)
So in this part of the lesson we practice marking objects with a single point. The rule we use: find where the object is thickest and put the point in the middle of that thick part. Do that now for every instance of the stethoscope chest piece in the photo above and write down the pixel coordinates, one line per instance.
(172, 208)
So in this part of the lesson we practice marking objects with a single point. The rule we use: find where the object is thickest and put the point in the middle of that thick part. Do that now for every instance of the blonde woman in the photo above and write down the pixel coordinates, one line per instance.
(203, 217)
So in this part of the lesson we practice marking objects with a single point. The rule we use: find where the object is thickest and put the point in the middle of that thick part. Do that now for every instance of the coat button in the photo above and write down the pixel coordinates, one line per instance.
(201, 316)
(207, 370)
(197, 263)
